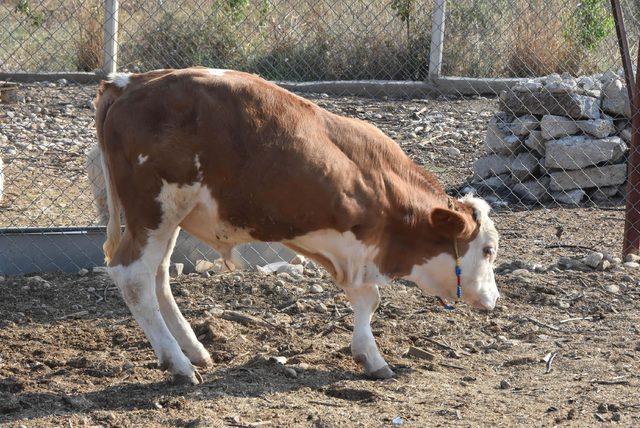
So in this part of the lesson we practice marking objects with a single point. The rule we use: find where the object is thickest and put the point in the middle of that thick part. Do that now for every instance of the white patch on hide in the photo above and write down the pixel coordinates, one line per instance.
(217, 71)
(119, 79)
(351, 258)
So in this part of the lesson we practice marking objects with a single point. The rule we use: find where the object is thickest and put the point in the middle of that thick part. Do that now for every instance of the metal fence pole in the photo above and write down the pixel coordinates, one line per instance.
(437, 39)
(110, 36)
(631, 240)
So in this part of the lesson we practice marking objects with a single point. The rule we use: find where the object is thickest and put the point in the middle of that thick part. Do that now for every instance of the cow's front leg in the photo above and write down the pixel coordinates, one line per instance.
(365, 299)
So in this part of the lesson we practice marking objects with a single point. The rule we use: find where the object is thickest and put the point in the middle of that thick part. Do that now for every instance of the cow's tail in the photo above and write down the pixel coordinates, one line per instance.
(107, 94)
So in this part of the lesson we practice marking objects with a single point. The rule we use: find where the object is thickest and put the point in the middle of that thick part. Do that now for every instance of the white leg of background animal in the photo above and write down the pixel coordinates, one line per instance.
(96, 180)
(365, 300)
(177, 324)
(137, 282)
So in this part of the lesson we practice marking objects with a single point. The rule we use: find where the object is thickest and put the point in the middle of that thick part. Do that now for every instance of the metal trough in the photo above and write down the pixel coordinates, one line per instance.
(31, 250)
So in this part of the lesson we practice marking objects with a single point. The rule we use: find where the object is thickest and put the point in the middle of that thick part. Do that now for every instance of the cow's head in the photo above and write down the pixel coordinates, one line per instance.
(477, 242)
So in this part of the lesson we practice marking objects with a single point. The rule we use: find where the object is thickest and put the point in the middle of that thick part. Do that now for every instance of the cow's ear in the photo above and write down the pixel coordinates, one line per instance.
(450, 224)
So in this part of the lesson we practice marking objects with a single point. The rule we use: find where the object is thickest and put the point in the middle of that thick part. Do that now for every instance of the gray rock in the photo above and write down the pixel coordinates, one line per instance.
(293, 270)
(553, 126)
(278, 359)
(589, 83)
(635, 258)
(612, 288)
(552, 79)
(625, 134)
(535, 142)
(492, 165)
(609, 76)
(559, 86)
(580, 151)
(500, 142)
(593, 259)
(631, 265)
(524, 165)
(316, 288)
(602, 176)
(573, 105)
(454, 152)
(522, 125)
(9, 403)
(528, 85)
(289, 372)
(599, 128)
(82, 272)
(203, 266)
(604, 194)
(615, 99)
(533, 190)
(270, 268)
(569, 197)
(497, 182)
(77, 402)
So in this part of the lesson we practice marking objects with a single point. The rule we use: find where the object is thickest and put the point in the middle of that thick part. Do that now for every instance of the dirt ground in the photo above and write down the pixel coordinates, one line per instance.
(71, 354)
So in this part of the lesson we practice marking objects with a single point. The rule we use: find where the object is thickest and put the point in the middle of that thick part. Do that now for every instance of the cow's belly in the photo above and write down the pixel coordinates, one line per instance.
(204, 222)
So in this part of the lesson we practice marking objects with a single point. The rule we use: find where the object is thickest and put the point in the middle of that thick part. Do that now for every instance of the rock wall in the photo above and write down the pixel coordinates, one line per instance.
(557, 138)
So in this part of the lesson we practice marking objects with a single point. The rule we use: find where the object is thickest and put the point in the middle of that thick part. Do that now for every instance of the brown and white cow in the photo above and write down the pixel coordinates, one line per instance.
(232, 158)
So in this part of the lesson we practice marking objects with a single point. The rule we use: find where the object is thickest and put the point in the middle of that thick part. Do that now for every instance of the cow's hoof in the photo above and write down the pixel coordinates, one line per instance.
(382, 373)
(203, 362)
(181, 379)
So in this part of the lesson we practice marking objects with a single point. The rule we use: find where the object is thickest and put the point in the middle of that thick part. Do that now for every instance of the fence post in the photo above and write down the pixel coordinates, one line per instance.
(110, 36)
(437, 39)
(631, 239)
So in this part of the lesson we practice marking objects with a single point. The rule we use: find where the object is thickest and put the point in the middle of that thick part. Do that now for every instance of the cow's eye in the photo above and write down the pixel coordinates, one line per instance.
(489, 251)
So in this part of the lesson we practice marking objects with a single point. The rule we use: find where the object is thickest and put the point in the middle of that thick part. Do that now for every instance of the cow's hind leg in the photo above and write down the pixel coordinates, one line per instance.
(365, 299)
(177, 324)
(134, 269)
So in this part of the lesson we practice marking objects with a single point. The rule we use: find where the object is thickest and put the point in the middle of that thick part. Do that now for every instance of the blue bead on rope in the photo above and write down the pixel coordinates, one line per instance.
(458, 271)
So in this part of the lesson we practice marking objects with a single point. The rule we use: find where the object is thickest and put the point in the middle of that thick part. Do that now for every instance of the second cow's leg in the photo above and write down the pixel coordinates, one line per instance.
(177, 324)
(365, 300)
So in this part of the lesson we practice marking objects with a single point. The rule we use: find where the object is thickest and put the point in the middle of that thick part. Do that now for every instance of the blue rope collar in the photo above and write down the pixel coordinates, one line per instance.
(458, 270)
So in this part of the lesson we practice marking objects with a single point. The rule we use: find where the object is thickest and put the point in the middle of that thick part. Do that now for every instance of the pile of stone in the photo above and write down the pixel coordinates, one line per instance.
(557, 138)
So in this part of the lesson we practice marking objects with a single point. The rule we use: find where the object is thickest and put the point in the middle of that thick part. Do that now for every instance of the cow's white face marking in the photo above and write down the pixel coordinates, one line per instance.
(437, 275)
(351, 258)
(142, 159)
(119, 79)
(217, 71)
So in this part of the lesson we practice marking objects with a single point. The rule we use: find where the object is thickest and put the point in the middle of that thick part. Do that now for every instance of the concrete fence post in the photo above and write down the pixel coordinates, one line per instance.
(110, 36)
(437, 38)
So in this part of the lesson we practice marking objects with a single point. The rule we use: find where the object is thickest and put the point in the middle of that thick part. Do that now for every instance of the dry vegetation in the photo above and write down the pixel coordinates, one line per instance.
(309, 40)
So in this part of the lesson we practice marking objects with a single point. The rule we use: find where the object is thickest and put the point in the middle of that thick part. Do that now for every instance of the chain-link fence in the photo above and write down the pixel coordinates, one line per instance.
(521, 101)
